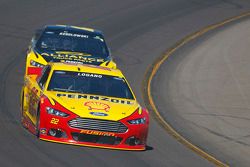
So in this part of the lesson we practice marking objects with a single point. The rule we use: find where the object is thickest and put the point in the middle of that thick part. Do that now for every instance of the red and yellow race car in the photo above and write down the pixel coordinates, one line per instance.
(83, 105)
(62, 43)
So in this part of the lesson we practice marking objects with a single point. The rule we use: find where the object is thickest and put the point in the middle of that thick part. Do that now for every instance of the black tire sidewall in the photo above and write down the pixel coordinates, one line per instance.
(38, 123)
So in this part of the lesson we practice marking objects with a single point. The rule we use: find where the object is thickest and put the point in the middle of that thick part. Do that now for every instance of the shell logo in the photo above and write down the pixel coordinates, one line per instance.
(92, 105)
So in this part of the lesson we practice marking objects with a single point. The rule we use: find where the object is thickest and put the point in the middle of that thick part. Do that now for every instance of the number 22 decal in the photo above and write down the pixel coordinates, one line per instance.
(54, 121)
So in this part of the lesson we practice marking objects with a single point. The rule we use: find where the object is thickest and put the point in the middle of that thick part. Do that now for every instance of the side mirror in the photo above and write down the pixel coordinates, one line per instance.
(109, 51)
(109, 64)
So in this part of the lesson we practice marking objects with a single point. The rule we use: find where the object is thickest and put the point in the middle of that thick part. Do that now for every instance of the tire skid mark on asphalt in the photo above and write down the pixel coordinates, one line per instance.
(10, 117)
(220, 115)
(226, 138)
(151, 72)
(10, 35)
(13, 27)
(3, 79)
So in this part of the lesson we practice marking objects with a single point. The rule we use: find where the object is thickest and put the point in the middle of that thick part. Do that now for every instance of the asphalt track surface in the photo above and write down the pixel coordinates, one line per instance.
(206, 89)
(137, 32)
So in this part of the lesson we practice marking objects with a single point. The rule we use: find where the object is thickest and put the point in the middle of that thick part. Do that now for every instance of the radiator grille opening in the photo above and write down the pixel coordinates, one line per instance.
(98, 125)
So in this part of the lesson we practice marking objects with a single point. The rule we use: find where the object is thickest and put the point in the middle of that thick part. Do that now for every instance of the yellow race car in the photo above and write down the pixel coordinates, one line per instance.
(61, 43)
(83, 105)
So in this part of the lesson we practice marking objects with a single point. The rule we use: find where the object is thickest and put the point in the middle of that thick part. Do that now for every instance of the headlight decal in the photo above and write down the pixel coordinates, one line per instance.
(36, 64)
(56, 112)
(137, 121)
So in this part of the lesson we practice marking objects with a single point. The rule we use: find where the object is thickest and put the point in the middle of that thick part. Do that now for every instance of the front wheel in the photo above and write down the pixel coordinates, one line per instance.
(22, 110)
(38, 123)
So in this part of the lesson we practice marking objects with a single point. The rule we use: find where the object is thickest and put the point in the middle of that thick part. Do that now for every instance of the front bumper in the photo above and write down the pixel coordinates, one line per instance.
(134, 138)
(115, 147)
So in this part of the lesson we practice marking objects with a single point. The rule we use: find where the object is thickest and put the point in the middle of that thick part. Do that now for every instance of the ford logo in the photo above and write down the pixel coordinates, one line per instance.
(99, 114)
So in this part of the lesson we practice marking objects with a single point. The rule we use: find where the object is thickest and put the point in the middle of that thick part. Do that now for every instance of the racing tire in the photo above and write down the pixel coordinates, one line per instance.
(22, 111)
(38, 123)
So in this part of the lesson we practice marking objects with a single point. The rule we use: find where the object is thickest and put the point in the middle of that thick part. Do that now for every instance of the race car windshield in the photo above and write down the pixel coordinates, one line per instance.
(89, 83)
(74, 42)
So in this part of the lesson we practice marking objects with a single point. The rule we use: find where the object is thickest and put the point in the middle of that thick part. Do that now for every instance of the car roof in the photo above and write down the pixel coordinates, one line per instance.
(72, 28)
(85, 68)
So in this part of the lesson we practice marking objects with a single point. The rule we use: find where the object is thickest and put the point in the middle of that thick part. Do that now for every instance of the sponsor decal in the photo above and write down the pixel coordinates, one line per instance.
(99, 133)
(71, 62)
(93, 97)
(43, 130)
(32, 99)
(73, 57)
(72, 53)
(100, 114)
(93, 105)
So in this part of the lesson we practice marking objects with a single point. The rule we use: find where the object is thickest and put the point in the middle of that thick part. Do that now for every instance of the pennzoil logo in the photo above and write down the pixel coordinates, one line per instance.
(99, 133)
(94, 105)
(93, 97)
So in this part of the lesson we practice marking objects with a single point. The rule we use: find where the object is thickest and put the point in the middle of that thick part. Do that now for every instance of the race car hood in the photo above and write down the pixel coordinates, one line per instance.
(96, 107)
(71, 57)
